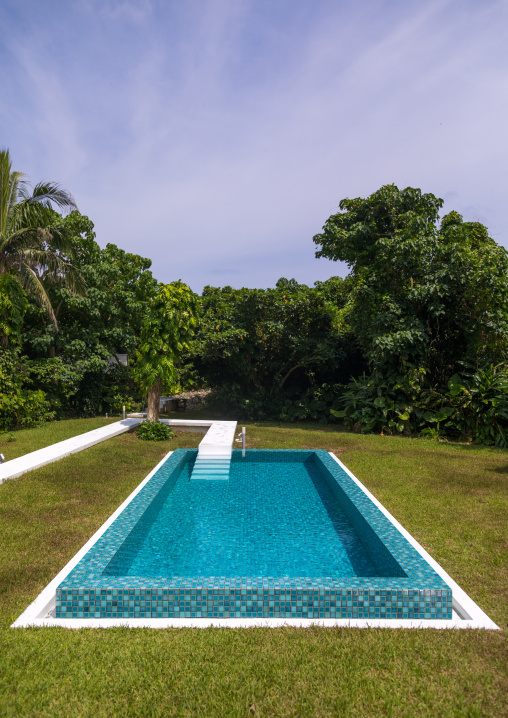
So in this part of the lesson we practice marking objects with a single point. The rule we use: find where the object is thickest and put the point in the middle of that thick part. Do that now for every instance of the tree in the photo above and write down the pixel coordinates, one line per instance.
(428, 304)
(33, 246)
(424, 296)
(167, 328)
(13, 305)
(94, 327)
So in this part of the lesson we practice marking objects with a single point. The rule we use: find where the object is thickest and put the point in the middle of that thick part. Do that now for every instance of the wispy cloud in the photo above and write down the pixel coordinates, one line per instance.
(216, 136)
(136, 11)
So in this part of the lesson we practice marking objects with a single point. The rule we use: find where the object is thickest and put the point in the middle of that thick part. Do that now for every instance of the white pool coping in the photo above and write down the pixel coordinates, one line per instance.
(466, 613)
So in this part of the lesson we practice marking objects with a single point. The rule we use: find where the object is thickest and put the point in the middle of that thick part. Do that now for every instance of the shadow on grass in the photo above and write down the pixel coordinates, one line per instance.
(501, 469)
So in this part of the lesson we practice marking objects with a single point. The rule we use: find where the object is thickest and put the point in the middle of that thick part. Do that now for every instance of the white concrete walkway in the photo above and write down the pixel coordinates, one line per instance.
(17, 467)
(217, 443)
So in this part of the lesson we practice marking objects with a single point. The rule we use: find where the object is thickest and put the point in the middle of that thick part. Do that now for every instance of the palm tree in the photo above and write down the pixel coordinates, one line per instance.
(34, 246)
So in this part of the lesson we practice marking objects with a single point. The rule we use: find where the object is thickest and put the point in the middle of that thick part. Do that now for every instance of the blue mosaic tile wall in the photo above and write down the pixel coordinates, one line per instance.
(254, 599)
(95, 588)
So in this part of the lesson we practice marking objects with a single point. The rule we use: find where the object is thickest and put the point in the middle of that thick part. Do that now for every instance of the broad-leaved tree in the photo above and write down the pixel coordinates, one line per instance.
(168, 326)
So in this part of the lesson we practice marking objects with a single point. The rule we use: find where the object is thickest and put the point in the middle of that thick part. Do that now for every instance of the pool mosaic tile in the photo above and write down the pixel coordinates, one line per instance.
(352, 562)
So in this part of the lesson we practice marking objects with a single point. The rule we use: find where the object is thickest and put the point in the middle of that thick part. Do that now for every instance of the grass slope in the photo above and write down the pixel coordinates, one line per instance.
(452, 498)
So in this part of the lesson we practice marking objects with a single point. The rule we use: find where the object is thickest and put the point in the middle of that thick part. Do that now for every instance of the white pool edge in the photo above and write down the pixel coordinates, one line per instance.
(38, 609)
(467, 610)
(467, 614)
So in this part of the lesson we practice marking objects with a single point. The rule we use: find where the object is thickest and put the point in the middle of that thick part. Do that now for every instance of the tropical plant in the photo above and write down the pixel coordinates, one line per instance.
(154, 431)
(426, 299)
(168, 326)
(473, 406)
(34, 247)
(13, 305)
(369, 405)
(94, 328)
(19, 407)
(477, 404)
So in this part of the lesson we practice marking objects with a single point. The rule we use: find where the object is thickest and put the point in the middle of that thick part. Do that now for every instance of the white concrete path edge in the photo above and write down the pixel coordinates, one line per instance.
(467, 614)
(17, 467)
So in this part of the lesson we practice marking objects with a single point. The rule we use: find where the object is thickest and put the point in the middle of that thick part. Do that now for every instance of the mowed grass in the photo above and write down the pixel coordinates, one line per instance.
(452, 498)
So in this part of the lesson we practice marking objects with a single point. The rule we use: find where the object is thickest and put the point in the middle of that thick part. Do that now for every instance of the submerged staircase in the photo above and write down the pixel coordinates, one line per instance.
(211, 467)
(214, 454)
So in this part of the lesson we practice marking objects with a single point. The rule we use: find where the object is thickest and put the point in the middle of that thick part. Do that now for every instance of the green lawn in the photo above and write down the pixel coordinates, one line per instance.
(452, 498)
(18, 443)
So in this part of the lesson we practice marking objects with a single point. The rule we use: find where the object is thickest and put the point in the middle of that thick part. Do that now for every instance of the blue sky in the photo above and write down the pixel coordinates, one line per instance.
(217, 136)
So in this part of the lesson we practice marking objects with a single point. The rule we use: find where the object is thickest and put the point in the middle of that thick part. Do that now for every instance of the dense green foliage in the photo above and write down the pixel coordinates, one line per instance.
(154, 431)
(429, 307)
(414, 340)
(74, 369)
(276, 351)
(94, 328)
(20, 407)
(474, 405)
(423, 295)
(13, 305)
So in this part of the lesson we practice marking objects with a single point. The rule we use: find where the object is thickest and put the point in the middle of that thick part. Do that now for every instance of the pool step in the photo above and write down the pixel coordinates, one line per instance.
(214, 453)
(211, 467)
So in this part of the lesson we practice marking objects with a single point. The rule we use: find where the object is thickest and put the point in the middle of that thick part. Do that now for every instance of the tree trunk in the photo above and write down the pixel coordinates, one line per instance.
(154, 395)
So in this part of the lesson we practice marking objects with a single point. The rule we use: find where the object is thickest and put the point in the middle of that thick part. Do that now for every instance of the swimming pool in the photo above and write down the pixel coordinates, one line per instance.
(288, 535)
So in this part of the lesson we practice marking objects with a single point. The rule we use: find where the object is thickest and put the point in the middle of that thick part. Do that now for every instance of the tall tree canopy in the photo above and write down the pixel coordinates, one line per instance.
(270, 351)
(424, 294)
(95, 327)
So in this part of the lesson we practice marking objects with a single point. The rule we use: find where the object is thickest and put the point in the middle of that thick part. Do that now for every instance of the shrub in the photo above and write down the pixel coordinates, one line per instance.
(154, 431)
(477, 403)
(374, 406)
(24, 409)
(473, 406)
(20, 408)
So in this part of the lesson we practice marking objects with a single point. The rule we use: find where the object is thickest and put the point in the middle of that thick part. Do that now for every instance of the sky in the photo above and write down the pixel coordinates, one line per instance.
(217, 136)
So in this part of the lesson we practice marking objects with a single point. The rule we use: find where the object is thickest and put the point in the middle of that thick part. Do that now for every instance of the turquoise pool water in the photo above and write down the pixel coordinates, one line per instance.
(271, 518)
(289, 534)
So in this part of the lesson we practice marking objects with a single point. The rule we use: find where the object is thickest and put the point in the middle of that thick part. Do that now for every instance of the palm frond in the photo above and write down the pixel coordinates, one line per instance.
(53, 268)
(49, 193)
(41, 249)
(33, 245)
(33, 286)
(12, 186)
(74, 280)
(17, 182)
(5, 188)
(54, 237)
(58, 238)
(31, 214)
(18, 241)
